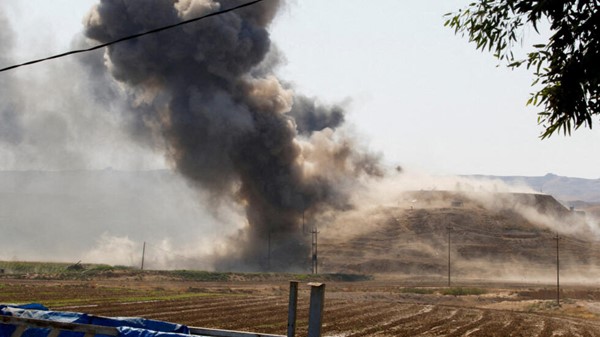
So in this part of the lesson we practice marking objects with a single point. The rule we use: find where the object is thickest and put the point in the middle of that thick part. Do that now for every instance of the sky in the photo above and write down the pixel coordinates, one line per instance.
(419, 95)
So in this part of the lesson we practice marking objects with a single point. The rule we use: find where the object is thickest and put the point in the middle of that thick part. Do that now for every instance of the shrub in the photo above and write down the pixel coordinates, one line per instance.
(459, 291)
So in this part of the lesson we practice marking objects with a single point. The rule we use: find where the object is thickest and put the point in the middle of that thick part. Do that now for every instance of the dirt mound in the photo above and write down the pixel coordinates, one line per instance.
(490, 237)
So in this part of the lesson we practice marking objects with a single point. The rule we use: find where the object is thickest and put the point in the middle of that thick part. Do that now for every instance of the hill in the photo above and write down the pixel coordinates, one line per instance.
(492, 235)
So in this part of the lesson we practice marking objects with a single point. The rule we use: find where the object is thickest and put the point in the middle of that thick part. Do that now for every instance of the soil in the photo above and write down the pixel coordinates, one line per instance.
(503, 267)
(495, 242)
(385, 306)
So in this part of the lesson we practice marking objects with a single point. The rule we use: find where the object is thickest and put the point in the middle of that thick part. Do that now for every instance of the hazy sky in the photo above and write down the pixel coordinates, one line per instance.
(415, 92)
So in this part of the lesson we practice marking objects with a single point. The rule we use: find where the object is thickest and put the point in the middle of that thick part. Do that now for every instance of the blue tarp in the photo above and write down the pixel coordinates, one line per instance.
(127, 326)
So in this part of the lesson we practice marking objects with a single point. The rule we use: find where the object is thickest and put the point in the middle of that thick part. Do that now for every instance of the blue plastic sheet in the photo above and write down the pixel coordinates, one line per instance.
(126, 326)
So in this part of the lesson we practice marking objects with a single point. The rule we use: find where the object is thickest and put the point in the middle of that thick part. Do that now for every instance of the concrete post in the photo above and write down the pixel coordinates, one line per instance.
(293, 305)
(315, 314)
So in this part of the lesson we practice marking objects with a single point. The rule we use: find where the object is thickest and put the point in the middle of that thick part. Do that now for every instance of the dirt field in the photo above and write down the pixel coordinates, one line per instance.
(495, 244)
(382, 307)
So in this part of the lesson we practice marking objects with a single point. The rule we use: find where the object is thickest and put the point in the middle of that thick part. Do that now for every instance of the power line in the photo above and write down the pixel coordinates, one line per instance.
(130, 37)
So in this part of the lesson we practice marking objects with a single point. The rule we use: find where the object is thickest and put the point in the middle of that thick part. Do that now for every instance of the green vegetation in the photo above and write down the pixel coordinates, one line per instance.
(421, 291)
(348, 277)
(91, 270)
(199, 275)
(459, 291)
(19, 267)
(206, 276)
(455, 291)
(542, 306)
(566, 67)
(56, 270)
(79, 271)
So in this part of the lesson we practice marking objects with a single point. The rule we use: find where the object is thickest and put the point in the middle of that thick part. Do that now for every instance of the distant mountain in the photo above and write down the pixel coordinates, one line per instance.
(578, 191)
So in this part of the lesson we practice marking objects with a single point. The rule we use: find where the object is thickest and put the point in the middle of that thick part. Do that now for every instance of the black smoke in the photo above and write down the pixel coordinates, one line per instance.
(311, 117)
(209, 91)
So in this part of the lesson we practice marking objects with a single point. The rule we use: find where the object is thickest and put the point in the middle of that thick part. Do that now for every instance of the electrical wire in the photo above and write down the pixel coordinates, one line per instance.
(130, 37)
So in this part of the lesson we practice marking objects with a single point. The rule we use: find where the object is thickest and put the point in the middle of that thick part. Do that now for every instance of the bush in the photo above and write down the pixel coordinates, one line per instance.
(199, 275)
(459, 291)
(421, 291)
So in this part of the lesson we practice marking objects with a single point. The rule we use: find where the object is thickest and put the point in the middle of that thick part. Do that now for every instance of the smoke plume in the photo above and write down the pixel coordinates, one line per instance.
(10, 128)
(208, 91)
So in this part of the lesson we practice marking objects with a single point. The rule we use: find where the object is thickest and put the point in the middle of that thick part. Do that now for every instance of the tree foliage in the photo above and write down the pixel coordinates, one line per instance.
(567, 67)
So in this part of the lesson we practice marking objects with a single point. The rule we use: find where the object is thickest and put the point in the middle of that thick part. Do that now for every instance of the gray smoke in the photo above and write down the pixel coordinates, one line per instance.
(31, 131)
(10, 126)
(310, 117)
(209, 92)
(48, 119)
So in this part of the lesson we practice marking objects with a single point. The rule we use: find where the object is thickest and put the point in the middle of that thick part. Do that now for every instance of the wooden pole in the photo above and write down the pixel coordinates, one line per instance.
(292, 307)
(143, 254)
(449, 243)
(315, 252)
(315, 314)
(557, 272)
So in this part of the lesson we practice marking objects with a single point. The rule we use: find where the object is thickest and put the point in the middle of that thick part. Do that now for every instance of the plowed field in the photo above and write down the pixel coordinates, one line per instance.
(374, 308)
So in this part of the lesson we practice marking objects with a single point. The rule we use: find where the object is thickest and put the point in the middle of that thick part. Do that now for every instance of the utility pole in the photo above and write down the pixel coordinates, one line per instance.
(449, 244)
(315, 259)
(557, 238)
(143, 254)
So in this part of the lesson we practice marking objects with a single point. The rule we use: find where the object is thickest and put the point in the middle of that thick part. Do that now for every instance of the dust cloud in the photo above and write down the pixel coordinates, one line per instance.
(187, 140)
(401, 225)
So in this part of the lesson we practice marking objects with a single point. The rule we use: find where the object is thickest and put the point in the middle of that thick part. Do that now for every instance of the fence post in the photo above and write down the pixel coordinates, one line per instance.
(315, 314)
(293, 305)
